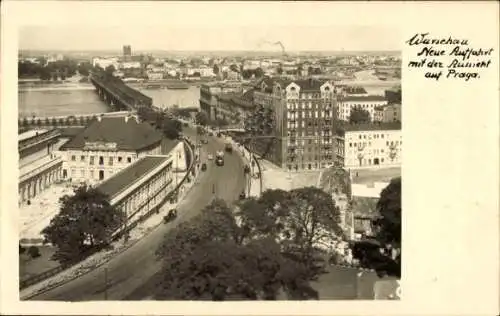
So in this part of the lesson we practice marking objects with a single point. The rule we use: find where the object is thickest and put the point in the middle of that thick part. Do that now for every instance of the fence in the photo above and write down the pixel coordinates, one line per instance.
(50, 273)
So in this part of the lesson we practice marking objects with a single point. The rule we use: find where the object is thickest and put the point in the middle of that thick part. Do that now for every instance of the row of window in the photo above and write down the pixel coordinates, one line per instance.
(387, 143)
(308, 105)
(309, 166)
(101, 159)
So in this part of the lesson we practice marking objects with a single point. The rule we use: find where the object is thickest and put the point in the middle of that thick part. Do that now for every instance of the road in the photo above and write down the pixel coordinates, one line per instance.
(129, 270)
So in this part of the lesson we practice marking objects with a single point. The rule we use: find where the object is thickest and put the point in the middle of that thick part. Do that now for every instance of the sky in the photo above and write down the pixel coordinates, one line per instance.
(294, 38)
(314, 26)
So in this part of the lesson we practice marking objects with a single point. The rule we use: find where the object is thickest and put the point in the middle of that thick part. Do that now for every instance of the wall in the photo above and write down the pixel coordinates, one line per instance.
(381, 146)
(80, 170)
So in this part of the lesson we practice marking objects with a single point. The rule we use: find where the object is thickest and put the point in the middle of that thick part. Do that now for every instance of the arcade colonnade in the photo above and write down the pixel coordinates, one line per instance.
(37, 183)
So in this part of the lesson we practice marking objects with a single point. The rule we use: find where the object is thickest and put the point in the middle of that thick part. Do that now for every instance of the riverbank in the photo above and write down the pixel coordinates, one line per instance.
(55, 87)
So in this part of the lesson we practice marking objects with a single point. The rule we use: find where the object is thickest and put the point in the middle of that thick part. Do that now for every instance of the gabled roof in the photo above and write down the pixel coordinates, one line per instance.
(130, 175)
(304, 84)
(128, 135)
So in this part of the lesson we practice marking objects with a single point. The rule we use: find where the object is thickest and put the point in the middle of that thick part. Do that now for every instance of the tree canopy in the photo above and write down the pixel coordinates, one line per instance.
(388, 236)
(86, 221)
(359, 115)
(202, 118)
(261, 249)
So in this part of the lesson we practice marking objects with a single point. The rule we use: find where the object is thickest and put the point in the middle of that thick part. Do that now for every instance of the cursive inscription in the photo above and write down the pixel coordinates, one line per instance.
(449, 57)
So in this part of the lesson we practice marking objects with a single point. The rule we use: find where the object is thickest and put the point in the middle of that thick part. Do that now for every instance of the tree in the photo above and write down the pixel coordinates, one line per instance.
(200, 130)
(301, 220)
(279, 71)
(171, 128)
(259, 73)
(207, 258)
(359, 115)
(384, 252)
(34, 252)
(393, 96)
(234, 68)
(110, 69)
(246, 74)
(86, 221)
(202, 118)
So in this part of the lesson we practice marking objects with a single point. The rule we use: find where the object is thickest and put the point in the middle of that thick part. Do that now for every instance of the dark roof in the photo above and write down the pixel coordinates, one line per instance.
(375, 126)
(71, 131)
(363, 98)
(129, 136)
(130, 175)
(355, 90)
(304, 84)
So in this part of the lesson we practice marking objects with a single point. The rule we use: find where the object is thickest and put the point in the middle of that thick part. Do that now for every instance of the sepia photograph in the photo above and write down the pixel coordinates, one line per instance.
(265, 168)
(238, 157)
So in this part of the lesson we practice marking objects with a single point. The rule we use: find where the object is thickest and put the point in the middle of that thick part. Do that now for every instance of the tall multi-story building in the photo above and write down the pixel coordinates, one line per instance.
(373, 145)
(293, 124)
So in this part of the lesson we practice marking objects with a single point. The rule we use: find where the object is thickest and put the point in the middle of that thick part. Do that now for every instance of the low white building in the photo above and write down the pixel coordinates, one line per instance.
(130, 64)
(369, 102)
(106, 146)
(374, 145)
(105, 62)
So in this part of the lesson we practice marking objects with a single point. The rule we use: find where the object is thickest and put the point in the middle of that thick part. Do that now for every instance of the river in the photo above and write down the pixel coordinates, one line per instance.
(74, 99)
(83, 99)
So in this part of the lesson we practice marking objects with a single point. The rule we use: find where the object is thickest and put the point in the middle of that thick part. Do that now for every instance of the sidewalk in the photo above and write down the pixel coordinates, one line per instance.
(98, 259)
(278, 178)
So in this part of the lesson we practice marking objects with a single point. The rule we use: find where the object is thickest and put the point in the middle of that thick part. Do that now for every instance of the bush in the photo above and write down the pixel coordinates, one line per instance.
(34, 252)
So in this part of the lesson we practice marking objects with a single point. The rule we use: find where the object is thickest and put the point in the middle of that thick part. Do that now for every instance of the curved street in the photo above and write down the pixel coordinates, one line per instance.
(133, 268)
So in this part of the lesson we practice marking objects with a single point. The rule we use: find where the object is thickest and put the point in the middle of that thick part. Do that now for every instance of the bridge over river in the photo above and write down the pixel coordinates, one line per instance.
(117, 94)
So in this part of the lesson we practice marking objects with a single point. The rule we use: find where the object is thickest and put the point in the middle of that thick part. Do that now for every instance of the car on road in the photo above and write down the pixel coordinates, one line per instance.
(203, 166)
(210, 134)
(219, 135)
(172, 214)
(210, 156)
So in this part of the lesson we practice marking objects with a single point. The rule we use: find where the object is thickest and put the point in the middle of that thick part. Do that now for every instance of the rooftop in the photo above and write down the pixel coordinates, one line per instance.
(355, 90)
(130, 175)
(304, 84)
(374, 126)
(30, 134)
(128, 135)
(361, 98)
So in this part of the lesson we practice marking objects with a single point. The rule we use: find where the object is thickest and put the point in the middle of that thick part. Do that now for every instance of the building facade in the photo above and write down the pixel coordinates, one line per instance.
(39, 166)
(141, 187)
(294, 123)
(367, 103)
(375, 145)
(388, 113)
(106, 146)
(210, 91)
(234, 108)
